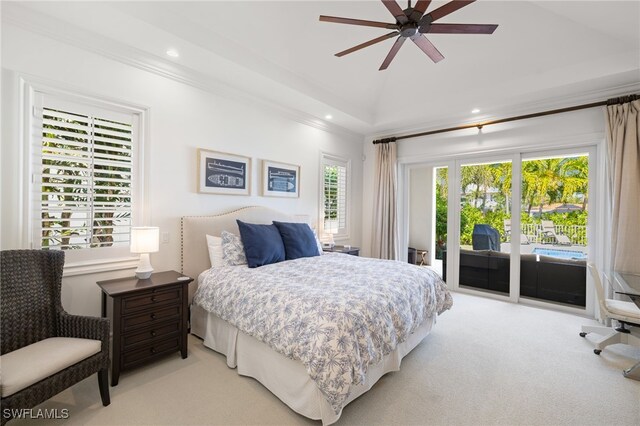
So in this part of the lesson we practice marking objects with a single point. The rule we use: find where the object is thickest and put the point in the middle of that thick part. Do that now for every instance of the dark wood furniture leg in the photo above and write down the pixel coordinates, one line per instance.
(103, 383)
(185, 321)
(115, 357)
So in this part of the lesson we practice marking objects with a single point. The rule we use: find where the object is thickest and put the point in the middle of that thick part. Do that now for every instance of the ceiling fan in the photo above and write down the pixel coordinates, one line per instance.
(412, 23)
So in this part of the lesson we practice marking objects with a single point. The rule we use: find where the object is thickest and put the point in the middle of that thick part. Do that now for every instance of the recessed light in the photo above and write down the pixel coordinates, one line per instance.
(328, 116)
(475, 111)
(173, 53)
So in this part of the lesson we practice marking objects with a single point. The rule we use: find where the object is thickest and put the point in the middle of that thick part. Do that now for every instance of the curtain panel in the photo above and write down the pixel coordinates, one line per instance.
(384, 243)
(623, 148)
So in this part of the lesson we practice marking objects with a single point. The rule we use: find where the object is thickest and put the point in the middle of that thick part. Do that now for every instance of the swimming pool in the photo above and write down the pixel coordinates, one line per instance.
(563, 254)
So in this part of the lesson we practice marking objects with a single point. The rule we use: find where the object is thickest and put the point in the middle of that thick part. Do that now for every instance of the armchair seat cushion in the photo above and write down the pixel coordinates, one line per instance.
(30, 364)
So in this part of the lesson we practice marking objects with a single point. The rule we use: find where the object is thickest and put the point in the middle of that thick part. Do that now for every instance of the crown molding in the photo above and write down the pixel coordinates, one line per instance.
(509, 110)
(72, 35)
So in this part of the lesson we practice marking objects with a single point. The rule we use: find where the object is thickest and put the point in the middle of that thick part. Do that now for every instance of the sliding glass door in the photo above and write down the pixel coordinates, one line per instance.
(554, 216)
(515, 227)
(485, 226)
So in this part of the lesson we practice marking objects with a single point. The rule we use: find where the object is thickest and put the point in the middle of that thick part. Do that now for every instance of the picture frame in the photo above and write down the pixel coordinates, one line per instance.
(223, 173)
(280, 179)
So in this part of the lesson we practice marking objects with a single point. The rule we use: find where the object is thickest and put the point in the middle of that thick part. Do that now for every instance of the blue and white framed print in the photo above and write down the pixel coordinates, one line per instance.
(280, 179)
(222, 173)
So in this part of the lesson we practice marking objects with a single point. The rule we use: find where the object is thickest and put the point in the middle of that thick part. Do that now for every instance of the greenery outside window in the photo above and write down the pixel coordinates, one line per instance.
(335, 182)
(84, 177)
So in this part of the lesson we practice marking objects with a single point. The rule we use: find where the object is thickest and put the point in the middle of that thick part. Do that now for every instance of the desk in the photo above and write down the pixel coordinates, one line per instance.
(629, 284)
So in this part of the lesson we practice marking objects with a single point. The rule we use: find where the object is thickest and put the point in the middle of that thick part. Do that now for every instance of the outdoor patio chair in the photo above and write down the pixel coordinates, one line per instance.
(549, 232)
(507, 232)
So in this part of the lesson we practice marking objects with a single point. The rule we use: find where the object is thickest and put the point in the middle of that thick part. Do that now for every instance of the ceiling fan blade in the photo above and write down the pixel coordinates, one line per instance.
(392, 53)
(448, 8)
(419, 9)
(367, 44)
(396, 11)
(461, 29)
(350, 21)
(427, 47)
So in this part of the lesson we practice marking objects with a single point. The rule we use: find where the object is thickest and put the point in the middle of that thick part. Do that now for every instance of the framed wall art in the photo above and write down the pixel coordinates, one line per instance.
(222, 173)
(280, 179)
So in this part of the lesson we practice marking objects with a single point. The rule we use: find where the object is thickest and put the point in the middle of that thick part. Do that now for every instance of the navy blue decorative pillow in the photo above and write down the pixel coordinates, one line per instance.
(298, 240)
(262, 244)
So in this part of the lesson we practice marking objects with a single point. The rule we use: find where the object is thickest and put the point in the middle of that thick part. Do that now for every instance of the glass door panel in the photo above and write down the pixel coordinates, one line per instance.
(554, 216)
(441, 191)
(485, 226)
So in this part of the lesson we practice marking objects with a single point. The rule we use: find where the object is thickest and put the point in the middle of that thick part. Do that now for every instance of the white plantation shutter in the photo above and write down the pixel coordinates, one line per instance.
(335, 173)
(84, 177)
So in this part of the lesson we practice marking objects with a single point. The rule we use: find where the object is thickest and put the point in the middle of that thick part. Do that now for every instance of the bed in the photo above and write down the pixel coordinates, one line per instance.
(313, 335)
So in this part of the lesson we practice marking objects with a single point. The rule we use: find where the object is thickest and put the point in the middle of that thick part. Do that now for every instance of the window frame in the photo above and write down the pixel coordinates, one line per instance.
(332, 159)
(88, 260)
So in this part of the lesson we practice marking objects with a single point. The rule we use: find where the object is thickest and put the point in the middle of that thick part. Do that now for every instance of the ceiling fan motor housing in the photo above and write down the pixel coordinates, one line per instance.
(409, 29)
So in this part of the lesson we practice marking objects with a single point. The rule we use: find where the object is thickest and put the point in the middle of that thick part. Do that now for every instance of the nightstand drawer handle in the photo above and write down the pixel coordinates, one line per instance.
(153, 298)
(153, 350)
(153, 334)
(153, 316)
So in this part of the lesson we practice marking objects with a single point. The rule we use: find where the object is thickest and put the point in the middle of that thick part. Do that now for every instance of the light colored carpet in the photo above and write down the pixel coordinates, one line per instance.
(486, 363)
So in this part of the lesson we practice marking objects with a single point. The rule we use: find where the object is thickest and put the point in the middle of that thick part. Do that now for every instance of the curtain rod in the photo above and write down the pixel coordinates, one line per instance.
(613, 101)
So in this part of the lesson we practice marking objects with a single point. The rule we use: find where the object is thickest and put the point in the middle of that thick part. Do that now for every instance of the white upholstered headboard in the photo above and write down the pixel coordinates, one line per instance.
(194, 252)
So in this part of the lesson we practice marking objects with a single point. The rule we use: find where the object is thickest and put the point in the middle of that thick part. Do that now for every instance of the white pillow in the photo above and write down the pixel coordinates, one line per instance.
(318, 243)
(215, 251)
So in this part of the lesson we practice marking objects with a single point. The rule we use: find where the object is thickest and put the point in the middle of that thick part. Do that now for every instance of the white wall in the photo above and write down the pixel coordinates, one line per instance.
(181, 118)
(421, 208)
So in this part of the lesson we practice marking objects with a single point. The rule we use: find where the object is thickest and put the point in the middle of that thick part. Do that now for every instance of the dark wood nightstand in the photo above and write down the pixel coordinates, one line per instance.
(354, 251)
(149, 318)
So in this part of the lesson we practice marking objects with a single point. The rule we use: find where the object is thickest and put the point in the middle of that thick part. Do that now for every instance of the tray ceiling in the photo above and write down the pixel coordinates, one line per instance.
(543, 52)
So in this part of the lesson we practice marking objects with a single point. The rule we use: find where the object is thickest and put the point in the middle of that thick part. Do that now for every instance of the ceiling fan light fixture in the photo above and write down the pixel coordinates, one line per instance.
(328, 117)
(172, 53)
(475, 111)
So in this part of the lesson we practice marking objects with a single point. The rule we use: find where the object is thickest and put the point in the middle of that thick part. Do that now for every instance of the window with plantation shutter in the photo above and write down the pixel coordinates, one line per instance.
(335, 175)
(83, 180)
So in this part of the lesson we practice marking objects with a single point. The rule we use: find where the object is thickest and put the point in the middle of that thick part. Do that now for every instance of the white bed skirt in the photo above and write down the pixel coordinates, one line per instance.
(286, 378)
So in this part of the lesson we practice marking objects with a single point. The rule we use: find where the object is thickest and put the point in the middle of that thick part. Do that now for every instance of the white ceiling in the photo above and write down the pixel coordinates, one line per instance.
(543, 53)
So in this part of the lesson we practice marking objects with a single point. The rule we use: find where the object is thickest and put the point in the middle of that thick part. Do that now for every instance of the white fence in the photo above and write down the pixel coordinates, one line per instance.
(576, 233)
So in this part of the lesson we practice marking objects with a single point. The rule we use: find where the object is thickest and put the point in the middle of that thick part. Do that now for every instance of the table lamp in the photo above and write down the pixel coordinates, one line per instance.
(144, 240)
(327, 240)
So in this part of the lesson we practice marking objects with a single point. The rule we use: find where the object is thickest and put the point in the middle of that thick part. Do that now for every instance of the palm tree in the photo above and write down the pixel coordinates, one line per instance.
(576, 179)
(480, 179)
(543, 178)
(552, 180)
(502, 176)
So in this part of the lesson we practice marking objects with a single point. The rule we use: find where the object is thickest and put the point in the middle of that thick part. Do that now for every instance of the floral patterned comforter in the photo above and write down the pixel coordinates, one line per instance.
(335, 313)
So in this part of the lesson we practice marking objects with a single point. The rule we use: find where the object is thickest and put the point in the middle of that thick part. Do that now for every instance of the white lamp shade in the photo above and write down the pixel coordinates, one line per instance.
(145, 239)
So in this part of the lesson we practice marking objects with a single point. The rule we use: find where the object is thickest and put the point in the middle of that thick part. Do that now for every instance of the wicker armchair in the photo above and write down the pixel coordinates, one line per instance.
(31, 311)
